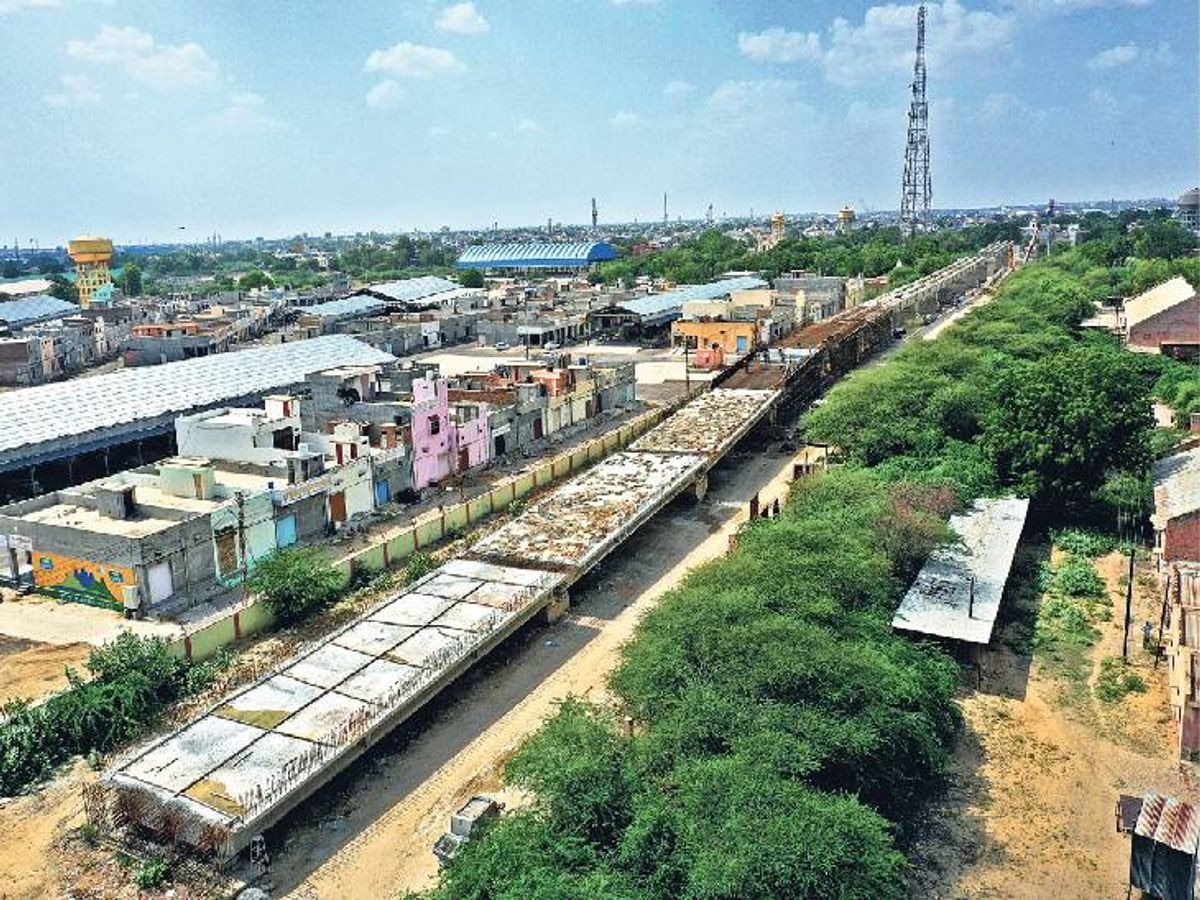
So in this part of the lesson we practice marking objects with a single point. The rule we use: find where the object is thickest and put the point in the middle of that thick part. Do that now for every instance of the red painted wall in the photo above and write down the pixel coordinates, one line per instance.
(1182, 538)
(1178, 325)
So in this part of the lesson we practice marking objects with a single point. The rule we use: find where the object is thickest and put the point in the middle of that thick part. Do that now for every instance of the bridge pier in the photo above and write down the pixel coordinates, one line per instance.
(557, 607)
(700, 487)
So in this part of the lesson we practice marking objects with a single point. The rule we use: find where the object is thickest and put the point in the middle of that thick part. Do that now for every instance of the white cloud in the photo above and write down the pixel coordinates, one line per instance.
(780, 46)
(528, 125)
(625, 119)
(16, 6)
(437, 131)
(1127, 54)
(1113, 57)
(408, 60)
(1073, 5)
(246, 113)
(385, 95)
(634, 2)
(1104, 102)
(677, 88)
(75, 90)
(139, 55)
(882, 44)
(755, 101)
(462, 18)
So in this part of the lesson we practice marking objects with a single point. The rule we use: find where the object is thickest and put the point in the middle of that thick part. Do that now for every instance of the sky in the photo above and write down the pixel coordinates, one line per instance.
(133, 119)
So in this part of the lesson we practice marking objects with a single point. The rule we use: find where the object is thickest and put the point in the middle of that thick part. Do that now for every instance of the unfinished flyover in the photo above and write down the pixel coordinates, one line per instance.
(234, 771)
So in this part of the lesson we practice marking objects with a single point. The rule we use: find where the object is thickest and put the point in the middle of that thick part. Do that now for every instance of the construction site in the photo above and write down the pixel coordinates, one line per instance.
(229, 775)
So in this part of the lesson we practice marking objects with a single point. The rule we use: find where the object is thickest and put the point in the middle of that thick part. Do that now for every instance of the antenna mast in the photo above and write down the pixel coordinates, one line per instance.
(916, 191)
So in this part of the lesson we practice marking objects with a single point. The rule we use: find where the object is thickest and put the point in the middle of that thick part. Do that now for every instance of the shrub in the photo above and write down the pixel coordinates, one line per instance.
(296, 582)
(1116, 680)
(418, 566)
(152, 873)
(1084, 543)
(1079, 578)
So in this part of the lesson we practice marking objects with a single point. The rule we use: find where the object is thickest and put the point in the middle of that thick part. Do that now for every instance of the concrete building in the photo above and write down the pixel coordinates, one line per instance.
(1165, 319)
(1176, 520)
(650, 315)
(816, 297)
(155, 343)
(1187, 211)
(1176, 516)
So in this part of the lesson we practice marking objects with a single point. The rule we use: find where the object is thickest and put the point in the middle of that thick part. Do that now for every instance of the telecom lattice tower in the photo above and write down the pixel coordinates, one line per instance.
(916, 192)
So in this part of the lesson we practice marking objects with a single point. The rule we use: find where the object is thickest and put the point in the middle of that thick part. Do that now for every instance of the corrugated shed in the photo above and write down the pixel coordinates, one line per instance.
(546, 255)
(346, 307)
(413, 290)
(1169, 821)
(50, 412)
(1176, 486)
(657, 304)
(38, 308)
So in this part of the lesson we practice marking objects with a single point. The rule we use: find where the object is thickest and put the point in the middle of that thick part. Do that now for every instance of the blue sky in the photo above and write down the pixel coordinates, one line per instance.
(131, 118)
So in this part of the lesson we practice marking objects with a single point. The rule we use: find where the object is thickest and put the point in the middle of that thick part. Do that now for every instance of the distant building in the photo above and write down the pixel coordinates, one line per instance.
(845, 219)
(651, 314)
(1187, 210)
(544, 256)
(1176, 516)
(1165, 319)
(91, 256)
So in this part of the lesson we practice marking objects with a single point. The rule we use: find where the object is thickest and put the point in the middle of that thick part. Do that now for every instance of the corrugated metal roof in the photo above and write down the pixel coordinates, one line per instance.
(49, 412)
(346, 307)
(37, 308)
(657, 304)
(1176, 486)
(413, 290)
(545, 255)
(976, 566)
(1169, 821)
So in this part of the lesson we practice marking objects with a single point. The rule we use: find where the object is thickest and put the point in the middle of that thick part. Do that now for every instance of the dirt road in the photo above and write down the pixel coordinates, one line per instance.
(1037, 771)
(370, 834)
(31, 670)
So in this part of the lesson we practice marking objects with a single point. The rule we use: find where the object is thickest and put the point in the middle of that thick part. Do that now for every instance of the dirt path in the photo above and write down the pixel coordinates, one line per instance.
(386, 846)
(1034, 780)
(33, 671)
(32, 828)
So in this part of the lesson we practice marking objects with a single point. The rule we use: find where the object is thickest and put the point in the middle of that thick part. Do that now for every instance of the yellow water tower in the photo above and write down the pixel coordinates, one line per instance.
(778, 224)
(91, 256)
(845, 218)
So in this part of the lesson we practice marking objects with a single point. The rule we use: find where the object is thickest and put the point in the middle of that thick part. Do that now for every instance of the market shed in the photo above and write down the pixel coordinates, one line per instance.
(957, 594)
(1162, 855)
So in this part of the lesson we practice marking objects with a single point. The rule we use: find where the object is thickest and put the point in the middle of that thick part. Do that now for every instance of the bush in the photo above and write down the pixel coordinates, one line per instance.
(133, 679)
(1079, 578)
(152, 873)
(1081, 542)
(418, 566)
(1116, 680)
(296, 582)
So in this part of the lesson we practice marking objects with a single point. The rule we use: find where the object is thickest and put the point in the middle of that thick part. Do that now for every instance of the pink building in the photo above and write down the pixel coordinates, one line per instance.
(1165, 319)
(444, 443)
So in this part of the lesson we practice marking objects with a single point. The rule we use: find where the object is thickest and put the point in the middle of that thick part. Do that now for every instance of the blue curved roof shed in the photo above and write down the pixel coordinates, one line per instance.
(545, 255)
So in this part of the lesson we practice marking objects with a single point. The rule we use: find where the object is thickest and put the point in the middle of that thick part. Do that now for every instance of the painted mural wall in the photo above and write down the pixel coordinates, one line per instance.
(80, 580)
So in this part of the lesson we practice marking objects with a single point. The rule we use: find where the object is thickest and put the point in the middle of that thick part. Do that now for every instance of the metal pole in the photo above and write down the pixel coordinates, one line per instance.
(1128, 605)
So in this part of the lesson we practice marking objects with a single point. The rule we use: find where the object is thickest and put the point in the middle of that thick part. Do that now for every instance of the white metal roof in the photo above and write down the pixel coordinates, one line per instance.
(36, 308)
(413, 290)
(939, 601)
(66, 409)
(1158, 300)
(345, 307)
(1176, 486)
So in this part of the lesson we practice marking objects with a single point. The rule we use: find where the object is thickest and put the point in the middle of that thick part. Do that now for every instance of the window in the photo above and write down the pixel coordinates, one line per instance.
(435, 425)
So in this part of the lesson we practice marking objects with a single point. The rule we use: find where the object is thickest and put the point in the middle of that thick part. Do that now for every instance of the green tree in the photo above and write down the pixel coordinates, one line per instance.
(296, 582)
(11, 269)
(471, 278)
(254, 279)
(63, 289)
(131, 280)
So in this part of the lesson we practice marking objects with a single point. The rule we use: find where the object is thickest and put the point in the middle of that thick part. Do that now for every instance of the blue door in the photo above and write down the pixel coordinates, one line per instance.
(285, 531)
(742, 343)
(383, 493)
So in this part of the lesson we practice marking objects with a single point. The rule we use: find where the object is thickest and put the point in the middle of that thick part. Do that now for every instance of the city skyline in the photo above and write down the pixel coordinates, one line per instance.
(137, 118)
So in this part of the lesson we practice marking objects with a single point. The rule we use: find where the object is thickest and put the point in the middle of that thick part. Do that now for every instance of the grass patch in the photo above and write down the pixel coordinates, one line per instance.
(1117, 680)
(1074, 600)
(1084, 542)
